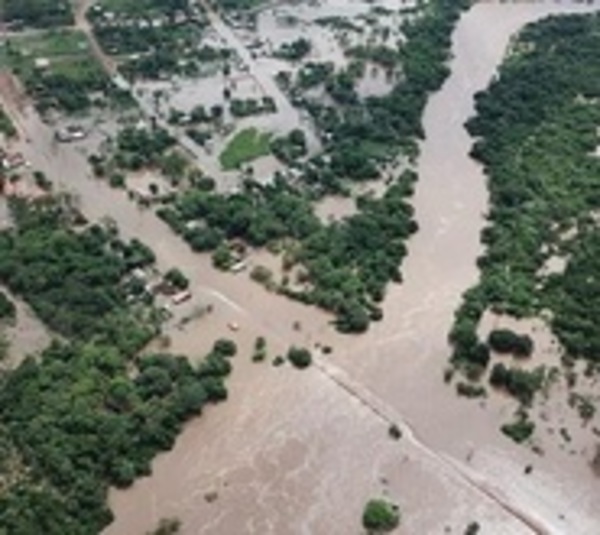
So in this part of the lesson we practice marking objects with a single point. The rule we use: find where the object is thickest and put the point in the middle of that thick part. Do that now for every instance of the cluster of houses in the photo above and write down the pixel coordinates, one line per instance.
(104, 18)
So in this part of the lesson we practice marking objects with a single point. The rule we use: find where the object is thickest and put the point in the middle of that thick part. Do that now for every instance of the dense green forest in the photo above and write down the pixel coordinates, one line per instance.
(537, 135)
(90, 411)
(75, 281)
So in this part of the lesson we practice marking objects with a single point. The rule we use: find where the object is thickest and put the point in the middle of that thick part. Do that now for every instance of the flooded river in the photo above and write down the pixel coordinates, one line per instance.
(300, 452)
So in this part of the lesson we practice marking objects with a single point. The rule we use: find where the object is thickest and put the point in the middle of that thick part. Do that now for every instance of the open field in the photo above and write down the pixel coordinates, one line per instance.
(245, 146)
(57, 67)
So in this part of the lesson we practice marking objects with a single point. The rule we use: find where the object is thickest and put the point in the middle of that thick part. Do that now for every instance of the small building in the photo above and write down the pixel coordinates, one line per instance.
(41, 63)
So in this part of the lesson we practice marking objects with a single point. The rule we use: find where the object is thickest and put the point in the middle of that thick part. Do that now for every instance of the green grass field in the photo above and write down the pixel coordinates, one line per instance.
(52, 43)
(57, 46)
(71, 72)
(246, 145)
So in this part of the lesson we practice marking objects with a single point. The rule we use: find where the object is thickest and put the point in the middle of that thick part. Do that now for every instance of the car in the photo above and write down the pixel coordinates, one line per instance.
(70, 133)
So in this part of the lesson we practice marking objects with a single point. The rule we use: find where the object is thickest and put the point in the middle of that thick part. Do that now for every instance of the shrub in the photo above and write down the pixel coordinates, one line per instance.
(520, 384)
(380, 516)
(225, 347)
(395, 432)
(520, 430)
(299, 357)
(507, 341)
(177, 279)
(469, 390)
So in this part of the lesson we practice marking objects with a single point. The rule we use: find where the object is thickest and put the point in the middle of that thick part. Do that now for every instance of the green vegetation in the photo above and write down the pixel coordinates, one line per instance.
(237, 5)
(360, 134)
(246, 145)
(521, 384)
(380, 516)
(381, 55)
(6, 125)
(519, 430)
(4, 348)
(536, 129)
(507, 341)
(58, 69)
(469, 390)
(251, 106)
(291, 147)
(143, 7)
(37, 13)
(75, 281)
(347, 264)
(225, 347)
(42, 181)
(141, 147)
(91, 411)
(138, 148)
(300, 357)
(343, 267)
(7, 308)
(312, 74)
(177, 279)
(153, 39)
(294, 51)
(260, 350)
(394, 432)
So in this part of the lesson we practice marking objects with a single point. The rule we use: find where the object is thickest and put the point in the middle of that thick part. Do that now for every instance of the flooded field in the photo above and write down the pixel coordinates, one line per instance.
(301, 452)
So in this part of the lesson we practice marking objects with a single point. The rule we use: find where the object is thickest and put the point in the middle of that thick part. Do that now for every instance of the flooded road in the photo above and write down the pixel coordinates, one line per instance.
(301, 452)
(304, 456)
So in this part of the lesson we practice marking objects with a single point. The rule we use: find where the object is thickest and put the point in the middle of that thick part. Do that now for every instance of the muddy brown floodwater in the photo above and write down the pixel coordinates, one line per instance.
(300, 452)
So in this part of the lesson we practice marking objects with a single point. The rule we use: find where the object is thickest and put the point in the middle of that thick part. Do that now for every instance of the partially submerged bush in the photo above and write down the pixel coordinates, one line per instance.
(380, 516)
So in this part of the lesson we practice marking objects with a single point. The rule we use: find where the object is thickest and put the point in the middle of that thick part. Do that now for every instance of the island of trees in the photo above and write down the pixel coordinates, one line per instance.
(537, 135)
